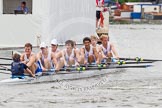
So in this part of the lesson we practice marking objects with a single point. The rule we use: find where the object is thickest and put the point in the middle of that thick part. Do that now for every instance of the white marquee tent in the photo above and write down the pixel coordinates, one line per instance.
(60, 19)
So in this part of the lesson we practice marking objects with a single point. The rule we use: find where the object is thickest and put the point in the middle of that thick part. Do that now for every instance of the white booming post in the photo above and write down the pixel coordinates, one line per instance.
(1, 7)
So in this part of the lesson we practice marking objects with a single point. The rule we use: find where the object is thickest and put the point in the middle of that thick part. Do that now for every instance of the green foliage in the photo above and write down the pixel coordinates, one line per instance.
(123, 1)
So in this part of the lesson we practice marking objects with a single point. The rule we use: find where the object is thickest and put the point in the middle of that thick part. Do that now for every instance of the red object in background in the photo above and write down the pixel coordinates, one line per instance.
(105, 9)
(102, 1)
(101, 23)
(118, 5)
(102, 20)
(96, 2)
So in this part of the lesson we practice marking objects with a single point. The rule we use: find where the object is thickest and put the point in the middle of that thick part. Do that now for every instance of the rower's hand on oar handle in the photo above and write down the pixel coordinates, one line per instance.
(105, 57)
(97, 62)
(44, 69)
(85, 62)
(33, 75)
(66, 65)
(25, 62)
(77, 64)
(117, 57)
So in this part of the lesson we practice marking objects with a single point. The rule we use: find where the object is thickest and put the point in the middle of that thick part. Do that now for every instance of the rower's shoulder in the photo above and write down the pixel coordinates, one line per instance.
(82, 48)
(58, 50)
(38, 53)
(52, 54)
(76, 50)
(111, 43)
(94, 48)
(33, 55)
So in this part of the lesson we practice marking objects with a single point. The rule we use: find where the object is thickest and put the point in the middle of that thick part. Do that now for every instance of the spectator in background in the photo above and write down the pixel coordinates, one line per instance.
(118, 5)
(23, 7)
(99, 14)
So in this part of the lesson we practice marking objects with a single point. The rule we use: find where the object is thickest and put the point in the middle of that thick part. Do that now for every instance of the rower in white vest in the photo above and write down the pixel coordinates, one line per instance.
(69, 56)
(108, 48)
(29, 58)
(88, 52)
(46, 58)
(54, 46)
(94, 43)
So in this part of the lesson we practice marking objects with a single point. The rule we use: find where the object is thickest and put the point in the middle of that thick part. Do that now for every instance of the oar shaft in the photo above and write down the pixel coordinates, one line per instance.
(107, 67)
(4, 58)
(126, 62)
(5, 64)
(114, 67)
(6, 69)
(153, 60)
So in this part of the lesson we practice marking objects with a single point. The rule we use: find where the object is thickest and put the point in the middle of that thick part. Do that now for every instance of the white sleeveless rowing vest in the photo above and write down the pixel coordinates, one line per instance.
(72, 55)
(48, 57)
(26, 58)
(97, 47)
(88, 53)
(57, 50)
(106, 50)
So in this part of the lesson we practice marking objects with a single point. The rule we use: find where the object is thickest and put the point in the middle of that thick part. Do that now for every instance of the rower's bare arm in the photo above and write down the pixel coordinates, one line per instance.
(58, 55)
(77, 55)
(22, 58)
(82, 52)
(54, 59)
(114, 51)
(30, 72)
(95, 52)
(102, 53)
(63, 57)
(38, 56)
(31, 60)
(100, 50)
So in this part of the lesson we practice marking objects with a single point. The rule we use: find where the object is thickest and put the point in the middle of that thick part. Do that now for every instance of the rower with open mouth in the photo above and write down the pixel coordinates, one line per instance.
(29, 58)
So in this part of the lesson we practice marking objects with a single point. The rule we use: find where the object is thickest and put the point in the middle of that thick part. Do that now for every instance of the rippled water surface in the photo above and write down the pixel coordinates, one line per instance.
(139, 88)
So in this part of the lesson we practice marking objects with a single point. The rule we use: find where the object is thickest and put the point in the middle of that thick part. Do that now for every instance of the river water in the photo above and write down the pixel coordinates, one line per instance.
(124, 88)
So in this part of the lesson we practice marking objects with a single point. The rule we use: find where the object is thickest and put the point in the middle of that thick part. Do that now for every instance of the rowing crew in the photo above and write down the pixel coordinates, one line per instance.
(46, 59)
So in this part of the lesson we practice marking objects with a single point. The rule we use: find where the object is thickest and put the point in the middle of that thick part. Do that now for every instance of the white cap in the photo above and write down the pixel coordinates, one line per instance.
(54, 42)
(43, 45)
